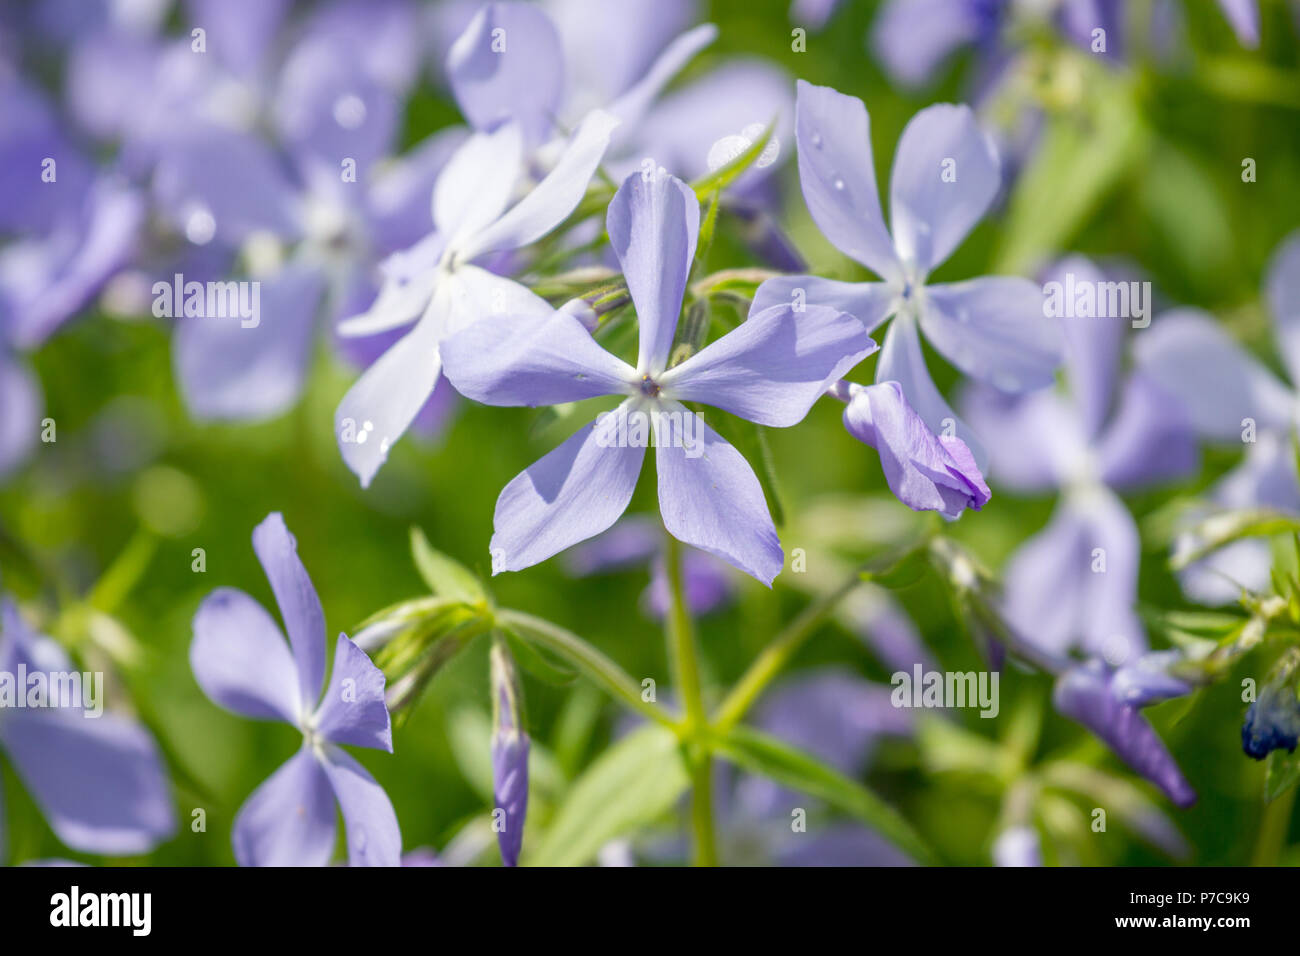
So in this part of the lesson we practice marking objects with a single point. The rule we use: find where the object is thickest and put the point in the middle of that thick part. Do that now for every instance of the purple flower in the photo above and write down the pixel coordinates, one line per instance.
(241, 661)
(639, 540)
(1106, 701)
(1243, 16)
(1273, 721)
(1184, 349)
(945, 176)
(912, 38)
(770, 370)
(1075, 582)
(437, 283)
(839, 718)
(71, 234)
(98, 780)
(548, 81)
(1018, 846)
(510, 745)
(925, 471)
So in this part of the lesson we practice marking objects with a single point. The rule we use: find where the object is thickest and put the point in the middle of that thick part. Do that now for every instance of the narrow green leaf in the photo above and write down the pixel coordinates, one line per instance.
(762, 754)
(724, 176)
(1223, 529)
(632, 784)
(1280, 774)
(445, 576)
(536, 663)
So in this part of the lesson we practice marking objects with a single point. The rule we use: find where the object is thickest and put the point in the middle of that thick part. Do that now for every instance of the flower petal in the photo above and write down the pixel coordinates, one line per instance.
(353, 710)
(1243, 16)
(230, 179)
(98, 781)
(901, 361)
(774, 365)
(527, 360)
(1074, 584)
(1149, 440)
(945, 176)
(868, 302)
(910, 38)
(1083, 693)
(476, 184)
(710, 498)
(508, 66)
(410, 278)
(1093, 345)
(373, 836)
(571, 494)
(381, 404)
(548, 203)
(1184, 349)
(993, 329)
(510, 790)
(241, 660)
(633, 103)
(1282, 286)
(304, 621)
(290, 819)
(653, 224)
(1034, 441)
(20, 413)
(923, 471)
(838, 180)
(229, 371)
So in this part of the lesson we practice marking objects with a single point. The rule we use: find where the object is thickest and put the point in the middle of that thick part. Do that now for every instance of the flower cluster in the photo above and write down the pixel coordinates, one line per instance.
(344, 221)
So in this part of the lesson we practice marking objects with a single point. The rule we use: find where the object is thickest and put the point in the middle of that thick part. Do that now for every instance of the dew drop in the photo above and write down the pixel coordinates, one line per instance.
(838, 184)
(350, 111)
(200, 225)
(817, 140)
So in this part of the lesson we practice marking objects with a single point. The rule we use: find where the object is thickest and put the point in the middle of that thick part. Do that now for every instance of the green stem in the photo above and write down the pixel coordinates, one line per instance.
(599, 668)
(695, 729)
(1273, 830)
(776, 655)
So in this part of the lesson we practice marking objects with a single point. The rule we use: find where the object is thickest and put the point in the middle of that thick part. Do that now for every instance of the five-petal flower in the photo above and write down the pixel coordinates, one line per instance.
(770, 370)
(242, 663)
(437, 283)
(945, 176)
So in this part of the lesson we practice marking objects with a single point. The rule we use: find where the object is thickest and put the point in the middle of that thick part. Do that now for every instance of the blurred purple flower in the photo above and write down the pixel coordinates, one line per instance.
(912, 38)
(839, 718)
(1075, 582)
(1107, 702)
(945, 176)
(72, 230)
(770, 370)
(1243, 16)
(637, 541)
(925, 471)
(1185, 349)
(240, 659)
(1018, 846)
(99, 781)
(436, 282)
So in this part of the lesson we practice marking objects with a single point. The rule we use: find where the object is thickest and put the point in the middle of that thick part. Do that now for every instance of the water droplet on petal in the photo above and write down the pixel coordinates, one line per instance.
(817, 140)
(200, 225)
(838, 183)
(349, 111)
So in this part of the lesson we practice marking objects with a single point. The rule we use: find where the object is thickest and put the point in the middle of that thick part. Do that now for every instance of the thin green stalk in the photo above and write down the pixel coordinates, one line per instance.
(686, 673)
(776, 655)
(600, 669)
(1273, 830)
